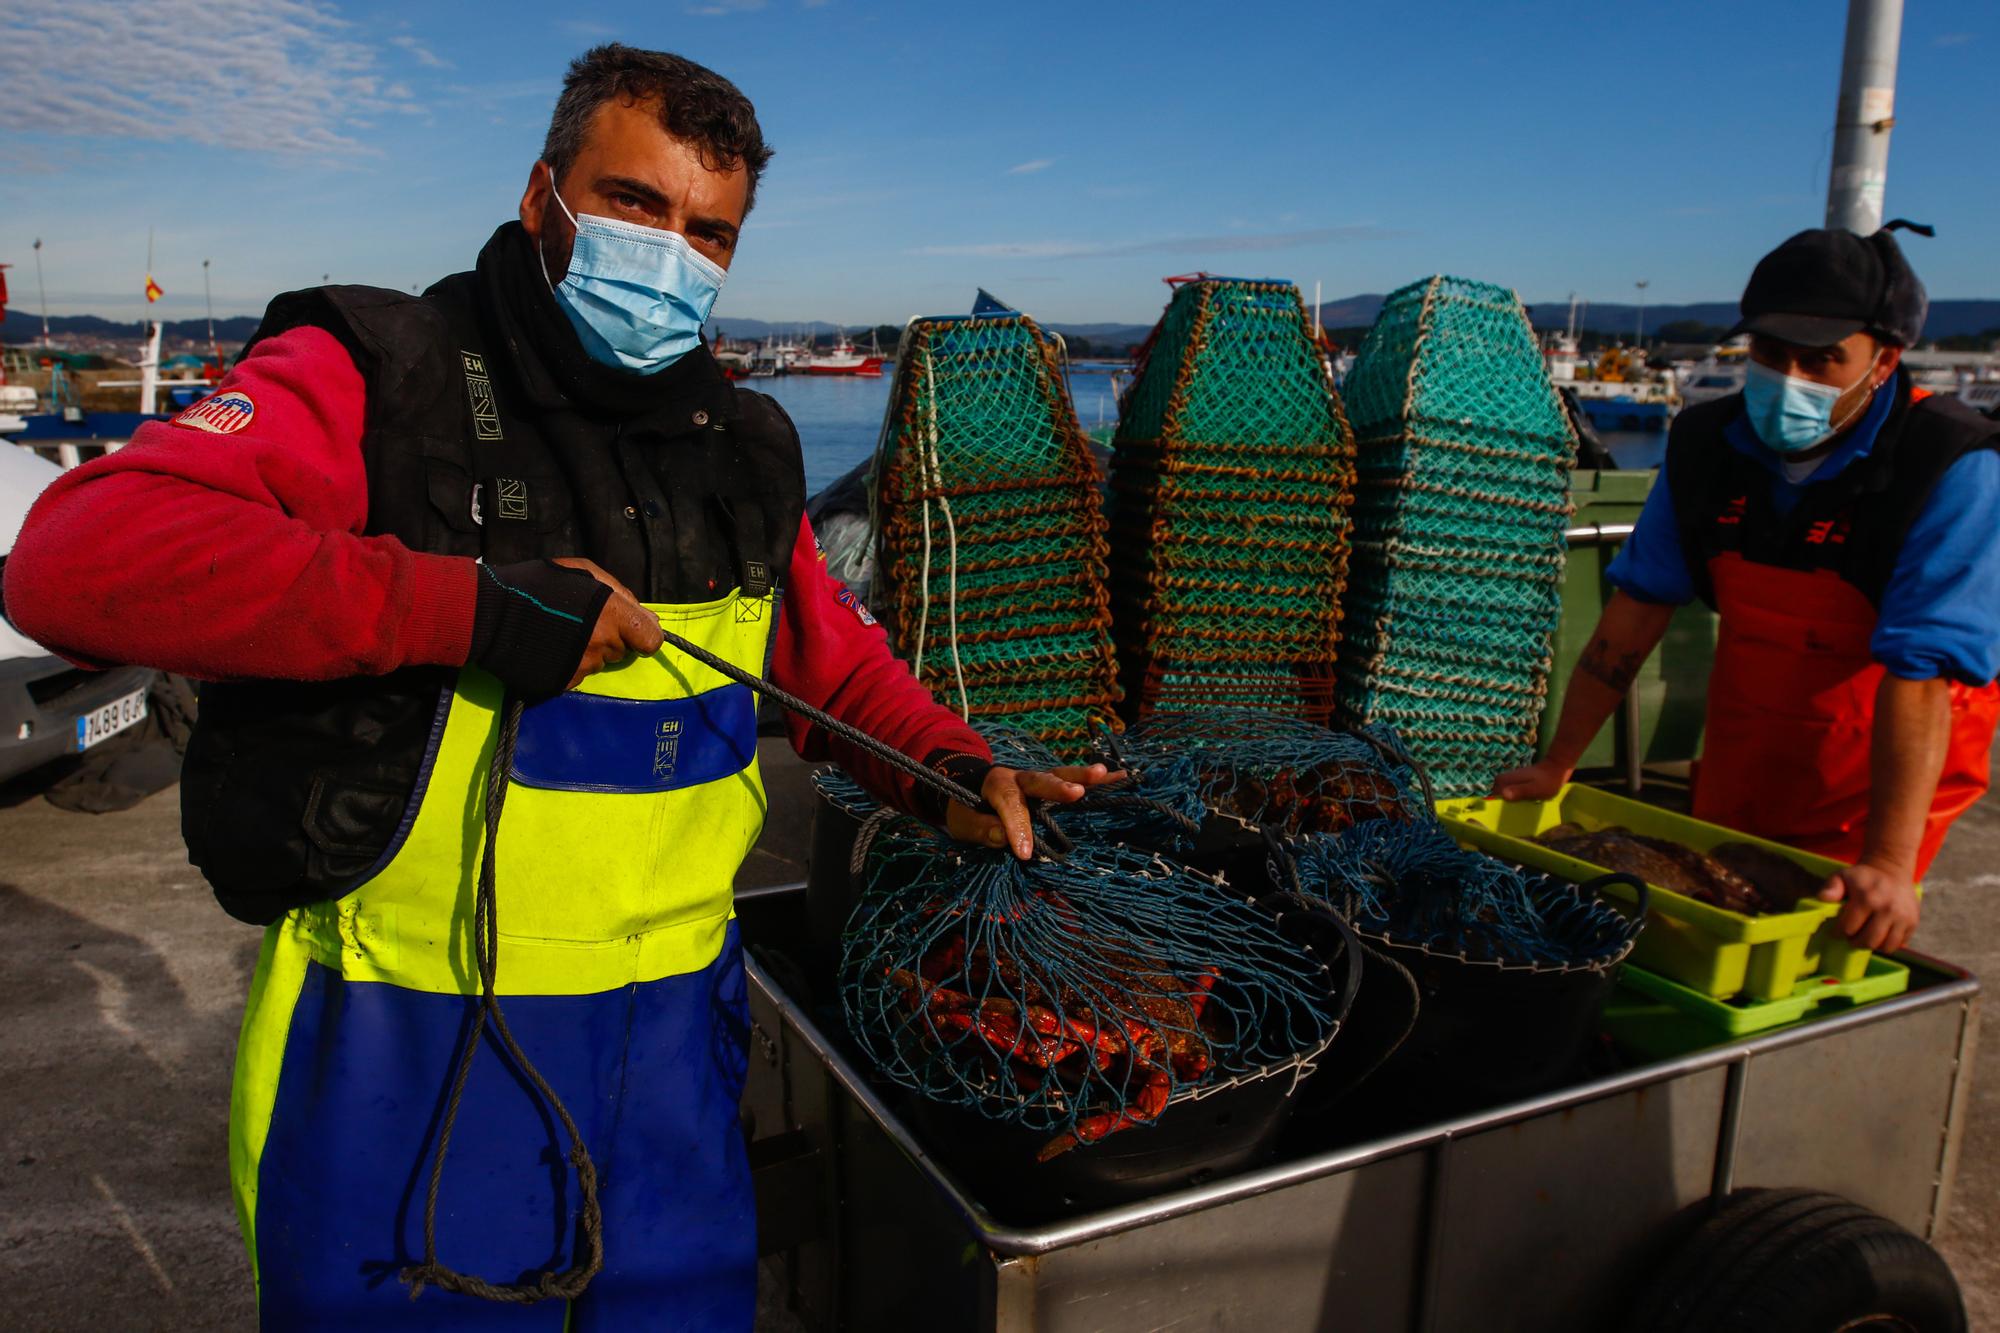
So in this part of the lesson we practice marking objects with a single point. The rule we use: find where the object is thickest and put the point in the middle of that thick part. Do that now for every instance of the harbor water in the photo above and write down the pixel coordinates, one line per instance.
(839, 419)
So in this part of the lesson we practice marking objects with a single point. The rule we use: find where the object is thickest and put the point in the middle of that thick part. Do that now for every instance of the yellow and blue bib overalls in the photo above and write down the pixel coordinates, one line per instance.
(631, 802)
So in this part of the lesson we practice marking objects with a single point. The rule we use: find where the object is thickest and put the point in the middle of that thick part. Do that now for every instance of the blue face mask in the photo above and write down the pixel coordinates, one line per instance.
(638, 296)
(1789, 414)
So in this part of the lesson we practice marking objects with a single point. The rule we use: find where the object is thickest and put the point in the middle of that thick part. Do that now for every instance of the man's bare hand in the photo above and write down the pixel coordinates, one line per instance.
(1536, 782)
(623, 627)
(1008, 791)
(1880, 909)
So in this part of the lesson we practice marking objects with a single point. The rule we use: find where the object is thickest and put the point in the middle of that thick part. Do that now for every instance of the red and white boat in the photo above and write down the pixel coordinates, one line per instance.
(844, 359)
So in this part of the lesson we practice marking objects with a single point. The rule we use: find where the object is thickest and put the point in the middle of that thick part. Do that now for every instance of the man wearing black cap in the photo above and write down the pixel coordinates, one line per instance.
(1842, 524)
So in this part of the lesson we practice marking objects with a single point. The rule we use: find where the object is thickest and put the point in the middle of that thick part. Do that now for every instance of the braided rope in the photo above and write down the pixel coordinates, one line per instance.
(571, 1282)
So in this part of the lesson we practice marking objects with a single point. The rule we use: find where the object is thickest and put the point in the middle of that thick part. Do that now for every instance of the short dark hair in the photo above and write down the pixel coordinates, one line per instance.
(697, 106)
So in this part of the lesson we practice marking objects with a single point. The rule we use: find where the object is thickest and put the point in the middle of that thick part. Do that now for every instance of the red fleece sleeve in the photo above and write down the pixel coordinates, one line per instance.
(227, 544)
(832, 654)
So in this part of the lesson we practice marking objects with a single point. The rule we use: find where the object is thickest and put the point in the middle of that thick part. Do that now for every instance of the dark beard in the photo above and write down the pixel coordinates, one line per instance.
(558, 241)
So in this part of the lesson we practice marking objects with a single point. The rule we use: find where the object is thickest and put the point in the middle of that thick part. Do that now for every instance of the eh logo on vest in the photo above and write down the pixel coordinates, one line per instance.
(219, 414)
(479, 389)
(666, 748)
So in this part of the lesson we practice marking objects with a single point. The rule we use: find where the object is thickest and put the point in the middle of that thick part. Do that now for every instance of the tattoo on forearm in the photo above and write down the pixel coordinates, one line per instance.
(1615, 671)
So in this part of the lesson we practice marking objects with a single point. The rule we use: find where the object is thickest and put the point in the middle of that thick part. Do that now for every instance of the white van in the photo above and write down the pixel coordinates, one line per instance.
(49, 708)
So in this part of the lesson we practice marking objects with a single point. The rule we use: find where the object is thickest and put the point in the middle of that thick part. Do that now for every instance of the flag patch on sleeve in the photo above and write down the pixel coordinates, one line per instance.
(847, 599)
(219, 414)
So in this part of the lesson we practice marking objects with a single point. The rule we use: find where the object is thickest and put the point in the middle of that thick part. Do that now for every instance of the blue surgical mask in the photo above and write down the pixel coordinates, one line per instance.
(638, 296)
(1789, 414)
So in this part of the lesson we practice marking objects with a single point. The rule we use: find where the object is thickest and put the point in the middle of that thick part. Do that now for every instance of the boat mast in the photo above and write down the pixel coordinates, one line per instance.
(149, 364)
(208, 297)
(43, 289)
(1864, 115)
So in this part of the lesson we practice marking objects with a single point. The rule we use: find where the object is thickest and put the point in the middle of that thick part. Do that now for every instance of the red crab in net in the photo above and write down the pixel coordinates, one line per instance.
(1142, 1040)
(1327, 799)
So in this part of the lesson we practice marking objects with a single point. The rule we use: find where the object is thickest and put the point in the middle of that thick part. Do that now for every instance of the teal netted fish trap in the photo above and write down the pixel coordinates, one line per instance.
(1231, 475)
(1461, 499)
(1281, 773)
(1074, 998)
(1407, 883)
(990, 530)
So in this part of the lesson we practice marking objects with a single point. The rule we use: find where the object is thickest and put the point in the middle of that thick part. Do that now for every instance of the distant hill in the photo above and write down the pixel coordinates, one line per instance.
(1104, 337)
(1350, 312)
(1948, 319)
(759, 329)
(23, 327)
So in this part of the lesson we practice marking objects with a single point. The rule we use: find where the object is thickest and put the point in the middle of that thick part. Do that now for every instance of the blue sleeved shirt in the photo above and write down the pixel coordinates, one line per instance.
(1940, 612)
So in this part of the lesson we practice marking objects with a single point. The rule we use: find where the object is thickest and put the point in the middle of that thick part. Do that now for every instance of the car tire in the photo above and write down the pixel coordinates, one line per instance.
(1800, 1261)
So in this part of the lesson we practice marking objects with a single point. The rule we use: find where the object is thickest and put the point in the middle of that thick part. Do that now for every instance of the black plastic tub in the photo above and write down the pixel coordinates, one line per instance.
(1195, 1139)
(1486, 1034)
(831, 891)
(1200, 1136)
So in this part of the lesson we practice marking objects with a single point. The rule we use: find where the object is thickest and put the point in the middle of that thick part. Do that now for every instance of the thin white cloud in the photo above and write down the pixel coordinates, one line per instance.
(587, 28)
(1030, 167)
(1013, 250)
(723, 8)
(420, 53)
(280, 76)
(1237, 244)
(1956, 39)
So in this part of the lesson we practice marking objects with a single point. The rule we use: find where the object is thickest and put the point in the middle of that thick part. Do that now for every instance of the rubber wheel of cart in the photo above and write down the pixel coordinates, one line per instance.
(1800, 1261)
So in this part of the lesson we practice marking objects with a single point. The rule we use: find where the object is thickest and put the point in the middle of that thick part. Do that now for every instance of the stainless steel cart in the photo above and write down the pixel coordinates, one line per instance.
(1542, 1214)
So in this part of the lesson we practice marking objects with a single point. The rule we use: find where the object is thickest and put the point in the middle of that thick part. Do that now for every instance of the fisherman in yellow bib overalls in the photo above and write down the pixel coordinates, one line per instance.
(426, 561)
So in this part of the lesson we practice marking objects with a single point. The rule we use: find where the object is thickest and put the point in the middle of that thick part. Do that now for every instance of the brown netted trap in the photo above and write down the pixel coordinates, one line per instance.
(1231, 472)
(990, 532)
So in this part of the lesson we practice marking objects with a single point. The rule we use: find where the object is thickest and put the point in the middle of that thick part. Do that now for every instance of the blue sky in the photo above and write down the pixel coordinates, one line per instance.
(1066, 156)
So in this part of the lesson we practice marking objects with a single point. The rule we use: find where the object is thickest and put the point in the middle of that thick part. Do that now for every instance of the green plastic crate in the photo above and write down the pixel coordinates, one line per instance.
(1662, 1019)
(1714, 951)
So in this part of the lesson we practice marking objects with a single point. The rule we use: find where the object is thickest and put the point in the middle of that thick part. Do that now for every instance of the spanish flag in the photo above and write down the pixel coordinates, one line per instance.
(153, 292)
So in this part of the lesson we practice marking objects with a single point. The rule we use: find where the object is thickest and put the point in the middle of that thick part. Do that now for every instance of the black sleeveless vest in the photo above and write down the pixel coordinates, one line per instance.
(1853, 523)
(478, 443)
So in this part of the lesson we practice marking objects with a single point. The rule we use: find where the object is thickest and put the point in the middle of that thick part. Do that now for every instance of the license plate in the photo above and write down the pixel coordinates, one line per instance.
(109, 720)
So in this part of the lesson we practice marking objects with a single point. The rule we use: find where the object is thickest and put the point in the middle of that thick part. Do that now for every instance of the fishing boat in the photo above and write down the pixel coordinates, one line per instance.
(1981, 396)
(17, 403)
(846, 359)
(1716, 375)
(69, 433)
(735, 361)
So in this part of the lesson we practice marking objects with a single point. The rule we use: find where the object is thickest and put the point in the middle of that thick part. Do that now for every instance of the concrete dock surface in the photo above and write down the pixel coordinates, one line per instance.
(122, 984)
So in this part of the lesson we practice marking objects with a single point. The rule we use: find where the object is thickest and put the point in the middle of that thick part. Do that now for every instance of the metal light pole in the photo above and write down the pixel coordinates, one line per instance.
(1639, 334)
(1864, 115)
(43, 289)
(209, 299)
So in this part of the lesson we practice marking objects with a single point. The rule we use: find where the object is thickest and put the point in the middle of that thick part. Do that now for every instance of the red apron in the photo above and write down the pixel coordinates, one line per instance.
(1791, 712)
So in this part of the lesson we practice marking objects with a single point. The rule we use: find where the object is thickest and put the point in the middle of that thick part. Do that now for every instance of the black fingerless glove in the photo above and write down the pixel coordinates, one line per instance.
(532, 622)
(967, 770)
